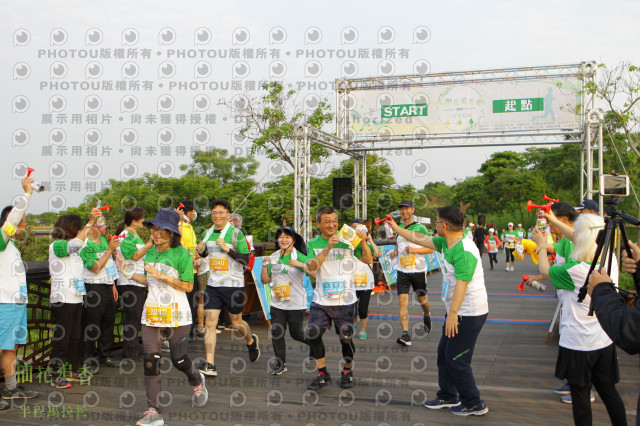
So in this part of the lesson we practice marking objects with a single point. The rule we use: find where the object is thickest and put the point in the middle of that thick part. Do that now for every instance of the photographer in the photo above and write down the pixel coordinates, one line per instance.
(621, 323)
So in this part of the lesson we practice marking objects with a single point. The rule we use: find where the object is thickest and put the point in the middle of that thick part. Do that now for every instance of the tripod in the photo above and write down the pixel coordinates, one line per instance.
(614, 221)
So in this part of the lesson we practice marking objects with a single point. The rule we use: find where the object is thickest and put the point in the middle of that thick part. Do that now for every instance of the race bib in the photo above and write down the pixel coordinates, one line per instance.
(282, 291)
(360, 279)
(445, 289)
(24, 296)
(80, 288)
(407, 260)
(219, 264)
(492, 245)
(333, 289)
(159, 315)
(112, 272)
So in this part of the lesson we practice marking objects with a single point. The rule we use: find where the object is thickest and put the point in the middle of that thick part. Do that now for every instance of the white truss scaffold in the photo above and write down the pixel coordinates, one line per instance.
(588, 133)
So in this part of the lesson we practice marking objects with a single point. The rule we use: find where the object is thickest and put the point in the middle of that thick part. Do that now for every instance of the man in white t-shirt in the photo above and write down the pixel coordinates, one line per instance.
(465, 298)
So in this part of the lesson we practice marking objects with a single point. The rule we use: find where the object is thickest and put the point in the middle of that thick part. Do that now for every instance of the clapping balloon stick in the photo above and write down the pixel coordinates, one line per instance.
(546, 207)
(35, 185)
(384, 219)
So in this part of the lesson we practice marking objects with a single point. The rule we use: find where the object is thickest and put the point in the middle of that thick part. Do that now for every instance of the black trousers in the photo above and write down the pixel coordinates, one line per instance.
(279, 320)
(67, 322)
(132, 300)
(99, 317)
(493, 258)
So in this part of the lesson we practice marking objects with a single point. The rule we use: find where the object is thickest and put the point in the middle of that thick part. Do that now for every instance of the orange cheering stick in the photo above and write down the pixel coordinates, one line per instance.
(29, 171)
(34, 185)
(180, 205)
(117, 237)
(546, 207)
(550, 199)
(235, 219)
(525, 278)
(384, 219)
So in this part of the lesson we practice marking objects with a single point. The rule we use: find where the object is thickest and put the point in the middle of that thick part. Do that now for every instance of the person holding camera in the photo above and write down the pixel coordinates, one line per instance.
(619, 321)
(587, 356)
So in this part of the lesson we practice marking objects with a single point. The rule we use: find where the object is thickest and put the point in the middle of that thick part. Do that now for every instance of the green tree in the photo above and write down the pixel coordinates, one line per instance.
(216, 164)
(269, 122)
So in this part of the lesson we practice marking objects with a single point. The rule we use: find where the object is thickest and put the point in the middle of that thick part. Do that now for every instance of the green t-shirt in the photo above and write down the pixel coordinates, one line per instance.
(507, 243)
(411, 262)
(563, 249)
(128, 245)
(90, 255)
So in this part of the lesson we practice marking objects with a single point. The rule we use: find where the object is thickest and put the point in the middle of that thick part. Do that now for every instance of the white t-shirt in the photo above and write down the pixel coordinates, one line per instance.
(66, 273)
(462, 262)
(287, 283)
(578, 330)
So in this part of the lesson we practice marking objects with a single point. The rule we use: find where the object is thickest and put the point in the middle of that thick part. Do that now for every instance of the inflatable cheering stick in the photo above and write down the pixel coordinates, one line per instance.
(35, 185)
(535, 284)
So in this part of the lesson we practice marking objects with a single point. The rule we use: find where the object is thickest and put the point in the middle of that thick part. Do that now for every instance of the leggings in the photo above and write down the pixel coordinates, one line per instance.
(493, 258)
(152, 338)
(363, 303)
(317, 351)
(509, 252)
(279, 320)
(581, 403)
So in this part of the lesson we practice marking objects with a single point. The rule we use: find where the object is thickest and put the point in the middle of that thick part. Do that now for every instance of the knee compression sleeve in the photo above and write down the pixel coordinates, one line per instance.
(316, 347)
(348, 350)
(151, 367)
(182, 364)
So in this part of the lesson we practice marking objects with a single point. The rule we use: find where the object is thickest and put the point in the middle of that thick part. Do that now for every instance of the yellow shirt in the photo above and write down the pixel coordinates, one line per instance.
(189, 240)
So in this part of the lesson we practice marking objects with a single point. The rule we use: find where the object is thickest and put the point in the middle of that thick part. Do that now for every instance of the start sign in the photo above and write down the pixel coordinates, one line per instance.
(406, 110)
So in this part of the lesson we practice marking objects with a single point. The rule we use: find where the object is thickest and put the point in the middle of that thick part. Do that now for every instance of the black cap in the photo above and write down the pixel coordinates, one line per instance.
(406, 203)
(588, 204)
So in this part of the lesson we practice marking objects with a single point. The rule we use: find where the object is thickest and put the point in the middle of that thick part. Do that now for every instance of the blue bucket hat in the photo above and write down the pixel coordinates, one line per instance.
(298, 242)
(165, 219)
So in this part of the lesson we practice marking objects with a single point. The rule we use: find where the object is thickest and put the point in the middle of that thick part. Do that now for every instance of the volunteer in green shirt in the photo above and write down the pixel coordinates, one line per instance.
(226, 250)
(412, 272)
(510, 238)
(13, 295)
(99, 276)
(284, 269)
(132, 294)
(465, 298)
(168, 273)
(332, 264)
(66, 296)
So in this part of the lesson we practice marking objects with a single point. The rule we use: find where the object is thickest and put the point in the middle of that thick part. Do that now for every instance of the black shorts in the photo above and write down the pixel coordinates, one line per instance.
(415, 280)
(343, 318)
(231, 297)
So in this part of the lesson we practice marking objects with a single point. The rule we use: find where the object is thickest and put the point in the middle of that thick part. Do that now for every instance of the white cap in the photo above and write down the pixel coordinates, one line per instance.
(491, 230)
(510, 224)
(519, 224)
(470, 224)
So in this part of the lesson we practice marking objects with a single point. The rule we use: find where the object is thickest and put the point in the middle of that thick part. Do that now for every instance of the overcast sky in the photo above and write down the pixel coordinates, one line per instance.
(246, 42)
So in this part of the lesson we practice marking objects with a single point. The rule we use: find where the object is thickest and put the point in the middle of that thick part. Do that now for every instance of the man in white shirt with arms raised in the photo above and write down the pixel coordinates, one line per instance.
(465, 299)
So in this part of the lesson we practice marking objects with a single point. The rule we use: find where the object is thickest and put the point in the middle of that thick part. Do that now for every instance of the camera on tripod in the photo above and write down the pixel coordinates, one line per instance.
(612, 186)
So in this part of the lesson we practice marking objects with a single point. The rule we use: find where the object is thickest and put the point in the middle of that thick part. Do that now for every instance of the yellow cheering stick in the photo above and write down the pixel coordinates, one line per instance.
(526, 247)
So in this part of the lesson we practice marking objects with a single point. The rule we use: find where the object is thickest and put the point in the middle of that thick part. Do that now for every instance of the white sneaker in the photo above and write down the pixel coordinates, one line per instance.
(151, 418)
(513, 268)
(506, 269)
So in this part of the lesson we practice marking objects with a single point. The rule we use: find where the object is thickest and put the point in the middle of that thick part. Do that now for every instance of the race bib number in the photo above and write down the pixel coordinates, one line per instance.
(282, 291)
(445, 289)
(162, 315)
(112, 272)
(360, 279)
(219, 264)
(80, 288)
(492, 245)
(23, 297)
(333, 289)
(407, 260)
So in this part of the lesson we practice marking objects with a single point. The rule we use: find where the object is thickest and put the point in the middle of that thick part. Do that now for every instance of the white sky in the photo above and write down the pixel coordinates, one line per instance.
(465, 35)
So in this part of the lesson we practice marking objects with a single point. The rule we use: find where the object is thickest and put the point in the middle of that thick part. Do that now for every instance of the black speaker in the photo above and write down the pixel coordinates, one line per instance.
(342, 193)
